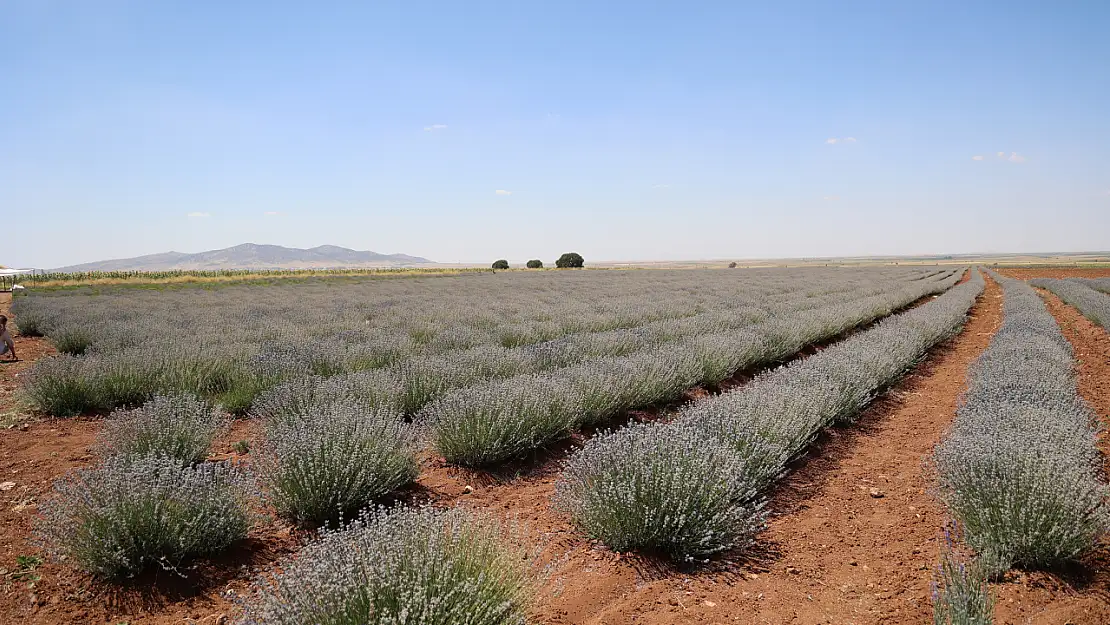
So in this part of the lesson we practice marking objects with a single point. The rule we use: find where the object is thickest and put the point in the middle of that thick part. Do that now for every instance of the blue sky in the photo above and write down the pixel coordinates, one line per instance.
(622, 130)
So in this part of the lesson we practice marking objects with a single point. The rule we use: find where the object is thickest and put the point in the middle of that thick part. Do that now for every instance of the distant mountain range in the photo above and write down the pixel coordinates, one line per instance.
(252, 256)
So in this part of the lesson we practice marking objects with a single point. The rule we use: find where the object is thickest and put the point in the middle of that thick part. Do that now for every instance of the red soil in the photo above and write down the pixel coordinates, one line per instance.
(834, 553)
(1026, 273)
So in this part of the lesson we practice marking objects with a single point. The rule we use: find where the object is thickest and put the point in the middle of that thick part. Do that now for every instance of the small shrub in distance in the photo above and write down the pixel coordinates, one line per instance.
(501, 264)
(242, 448)
(334, 461)
(570, 260)
(662, 489)
(732, 265)
(180, 427)
(426, 565)
(535, 264)
(127, 514)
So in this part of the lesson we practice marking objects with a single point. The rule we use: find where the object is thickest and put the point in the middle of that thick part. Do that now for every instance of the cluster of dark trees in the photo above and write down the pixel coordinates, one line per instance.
(569, 260)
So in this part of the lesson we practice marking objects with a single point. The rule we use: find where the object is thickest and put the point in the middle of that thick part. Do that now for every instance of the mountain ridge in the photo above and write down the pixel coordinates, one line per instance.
(254, 256)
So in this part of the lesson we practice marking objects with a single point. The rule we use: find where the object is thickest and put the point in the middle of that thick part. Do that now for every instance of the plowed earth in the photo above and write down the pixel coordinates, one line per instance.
(854, 534)
(1025, 273)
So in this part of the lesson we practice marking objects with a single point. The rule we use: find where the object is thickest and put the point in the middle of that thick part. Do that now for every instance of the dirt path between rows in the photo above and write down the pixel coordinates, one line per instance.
(1080, 595)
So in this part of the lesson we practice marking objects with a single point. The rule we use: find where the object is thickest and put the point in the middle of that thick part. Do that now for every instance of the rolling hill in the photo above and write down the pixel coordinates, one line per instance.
(252, 256)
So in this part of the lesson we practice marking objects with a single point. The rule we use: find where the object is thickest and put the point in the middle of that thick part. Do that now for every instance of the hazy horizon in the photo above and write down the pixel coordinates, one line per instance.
(611, 261)
(625, 132)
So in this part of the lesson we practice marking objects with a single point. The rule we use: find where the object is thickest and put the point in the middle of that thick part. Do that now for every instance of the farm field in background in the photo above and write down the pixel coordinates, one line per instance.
(665, 446)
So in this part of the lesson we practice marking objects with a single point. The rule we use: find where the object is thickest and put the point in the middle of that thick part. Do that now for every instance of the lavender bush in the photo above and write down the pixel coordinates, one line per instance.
(181, 427)
(1020, 469)
(127, 514)
(71, 340)
(483, 425)
(1094, 304)
(405, 566)
(333, 460)
(1101, 285)
(365, 390)
(960, 592)
(663, 489)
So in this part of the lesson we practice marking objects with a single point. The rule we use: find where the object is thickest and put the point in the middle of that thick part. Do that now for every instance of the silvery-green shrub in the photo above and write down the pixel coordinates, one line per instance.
(130, 513)
(179, 426)
(1093, 303)
(333, 460)
(961, 595)
(365, 390)
(661, 489)
(1021, 468)
(410, 566)
(486, 424)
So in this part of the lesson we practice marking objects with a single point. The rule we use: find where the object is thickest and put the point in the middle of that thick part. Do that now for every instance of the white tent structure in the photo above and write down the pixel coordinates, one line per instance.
(8, 277)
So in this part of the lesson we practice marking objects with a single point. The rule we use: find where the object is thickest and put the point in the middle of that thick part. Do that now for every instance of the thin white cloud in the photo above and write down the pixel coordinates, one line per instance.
(831, 198)
(1013, 157)
(849, 139)
(502, 192)
(197, 214)
(831, 140)
(273, 213)
(977, 157)
(434, 127)
(660, 186)
(835, 140)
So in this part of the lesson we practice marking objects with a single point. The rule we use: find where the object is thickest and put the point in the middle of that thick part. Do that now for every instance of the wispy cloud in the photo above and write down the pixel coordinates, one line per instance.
(273, 213)
(197, 214)
(502, 192)
(977, 157)
(831, 198)
(660, 186)
(1013, 157)
(435, 127)
(835, 140)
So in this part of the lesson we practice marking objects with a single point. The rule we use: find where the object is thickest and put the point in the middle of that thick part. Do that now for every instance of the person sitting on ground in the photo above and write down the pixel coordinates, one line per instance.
(6, 344)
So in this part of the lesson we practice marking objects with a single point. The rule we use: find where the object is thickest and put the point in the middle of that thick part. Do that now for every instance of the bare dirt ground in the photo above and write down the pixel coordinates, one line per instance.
(854, 535)
(1026, 273)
